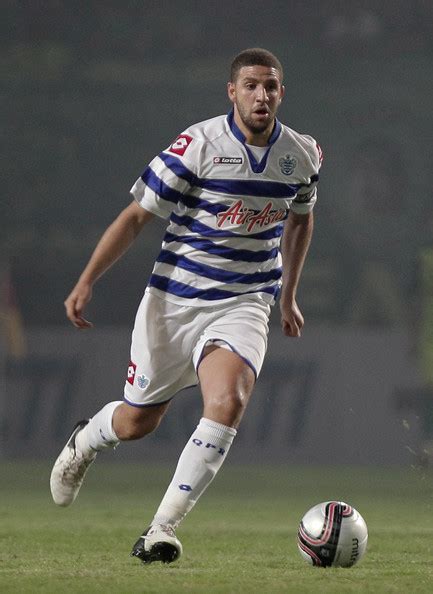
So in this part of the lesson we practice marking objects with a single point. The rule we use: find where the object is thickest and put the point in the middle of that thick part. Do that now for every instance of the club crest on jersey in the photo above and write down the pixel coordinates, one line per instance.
(142, 381)
(227, 160)
(287, 164)
(131, 373)
(180, 145)
(239, 214)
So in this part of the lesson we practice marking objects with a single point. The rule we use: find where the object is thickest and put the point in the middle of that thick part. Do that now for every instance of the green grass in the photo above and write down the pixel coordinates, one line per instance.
(240, 538)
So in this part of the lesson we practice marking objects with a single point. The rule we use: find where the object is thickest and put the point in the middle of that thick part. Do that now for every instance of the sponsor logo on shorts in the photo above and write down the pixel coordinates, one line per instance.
(180, 145)
(239, 214)
(142, 381)
(228, 160)
(131, 373)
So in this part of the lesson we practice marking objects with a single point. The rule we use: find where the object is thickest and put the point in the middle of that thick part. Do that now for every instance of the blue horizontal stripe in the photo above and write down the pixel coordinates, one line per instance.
(260, 188)
(181, 290)
(193, 202)
(209, 247)
(223, 276)
(155, 183)
(179, 168)
(206, 231)
(159, 187)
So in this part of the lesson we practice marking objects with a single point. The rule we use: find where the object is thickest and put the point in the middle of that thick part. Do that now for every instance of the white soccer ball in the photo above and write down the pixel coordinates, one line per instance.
(332, 534)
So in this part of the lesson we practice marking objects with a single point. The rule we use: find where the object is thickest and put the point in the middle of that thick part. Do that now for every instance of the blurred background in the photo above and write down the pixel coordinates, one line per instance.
(91, 91)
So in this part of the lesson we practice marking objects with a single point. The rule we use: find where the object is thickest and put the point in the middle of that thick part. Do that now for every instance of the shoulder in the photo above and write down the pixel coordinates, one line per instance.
(208, 130)
(190, 146)
(306, 148)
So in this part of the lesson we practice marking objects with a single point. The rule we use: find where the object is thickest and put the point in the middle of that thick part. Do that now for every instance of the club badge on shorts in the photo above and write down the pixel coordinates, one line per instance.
(142, 381)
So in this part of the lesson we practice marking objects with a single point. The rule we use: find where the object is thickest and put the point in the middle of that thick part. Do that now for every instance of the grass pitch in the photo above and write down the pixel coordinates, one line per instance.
(240, 538)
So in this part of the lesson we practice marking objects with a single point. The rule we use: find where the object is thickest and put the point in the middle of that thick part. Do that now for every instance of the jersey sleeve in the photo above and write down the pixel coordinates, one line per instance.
(306, 198)
(168, 177)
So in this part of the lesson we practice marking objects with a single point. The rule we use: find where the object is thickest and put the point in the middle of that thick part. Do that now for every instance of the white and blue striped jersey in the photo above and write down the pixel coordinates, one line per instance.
(226, 210)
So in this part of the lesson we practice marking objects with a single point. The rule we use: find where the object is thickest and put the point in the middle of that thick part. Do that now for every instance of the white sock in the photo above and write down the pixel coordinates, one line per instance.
(198, 464)
(99, 434)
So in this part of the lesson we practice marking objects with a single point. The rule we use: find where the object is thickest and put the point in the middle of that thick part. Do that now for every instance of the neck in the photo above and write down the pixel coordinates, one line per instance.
(254, 138)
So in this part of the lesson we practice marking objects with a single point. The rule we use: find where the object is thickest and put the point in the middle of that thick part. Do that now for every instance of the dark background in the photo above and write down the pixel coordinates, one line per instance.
(93, 90)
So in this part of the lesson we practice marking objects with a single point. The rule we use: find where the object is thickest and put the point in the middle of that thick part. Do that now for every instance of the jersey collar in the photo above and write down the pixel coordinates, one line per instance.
(256, 166)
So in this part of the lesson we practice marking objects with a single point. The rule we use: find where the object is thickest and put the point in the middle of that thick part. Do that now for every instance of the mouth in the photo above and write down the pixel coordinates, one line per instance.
(261, 112)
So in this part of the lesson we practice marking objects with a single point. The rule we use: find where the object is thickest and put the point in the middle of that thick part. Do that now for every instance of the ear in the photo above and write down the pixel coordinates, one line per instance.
(283, 90)
(231, 91)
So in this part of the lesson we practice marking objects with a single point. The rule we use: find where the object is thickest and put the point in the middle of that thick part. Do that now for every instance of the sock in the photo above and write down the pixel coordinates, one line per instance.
(198, 464)
(99, 434)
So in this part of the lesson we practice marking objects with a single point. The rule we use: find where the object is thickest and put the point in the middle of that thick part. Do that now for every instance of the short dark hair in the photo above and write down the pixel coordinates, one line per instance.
(255, 56)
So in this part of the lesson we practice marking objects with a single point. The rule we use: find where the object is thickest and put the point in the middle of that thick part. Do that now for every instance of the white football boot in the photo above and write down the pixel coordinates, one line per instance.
(157, 543)
(69, 470)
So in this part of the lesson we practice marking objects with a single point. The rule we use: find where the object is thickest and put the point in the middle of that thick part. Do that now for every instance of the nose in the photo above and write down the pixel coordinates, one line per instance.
(261, 94)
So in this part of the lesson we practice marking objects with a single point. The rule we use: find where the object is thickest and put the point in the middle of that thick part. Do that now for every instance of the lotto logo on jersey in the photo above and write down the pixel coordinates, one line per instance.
(180, 145)
(227, 160)
(131, 373)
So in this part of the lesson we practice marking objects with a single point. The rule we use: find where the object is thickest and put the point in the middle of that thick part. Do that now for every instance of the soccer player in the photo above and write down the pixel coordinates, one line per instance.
(238, 191)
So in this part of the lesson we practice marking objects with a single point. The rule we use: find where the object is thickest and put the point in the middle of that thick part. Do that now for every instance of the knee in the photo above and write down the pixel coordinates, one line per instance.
(236, 404)
(227, 408)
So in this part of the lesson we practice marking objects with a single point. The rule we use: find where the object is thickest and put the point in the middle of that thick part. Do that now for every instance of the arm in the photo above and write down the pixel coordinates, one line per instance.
(114, 242)
(295, 242)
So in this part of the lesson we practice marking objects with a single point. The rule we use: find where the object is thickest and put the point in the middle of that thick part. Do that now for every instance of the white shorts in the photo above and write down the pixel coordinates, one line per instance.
(168, 340)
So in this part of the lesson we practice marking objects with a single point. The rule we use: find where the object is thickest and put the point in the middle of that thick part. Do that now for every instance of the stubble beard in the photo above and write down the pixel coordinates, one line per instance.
(253, 126)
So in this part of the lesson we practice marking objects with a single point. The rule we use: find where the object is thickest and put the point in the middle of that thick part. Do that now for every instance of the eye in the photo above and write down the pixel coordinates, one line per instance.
(272, 88)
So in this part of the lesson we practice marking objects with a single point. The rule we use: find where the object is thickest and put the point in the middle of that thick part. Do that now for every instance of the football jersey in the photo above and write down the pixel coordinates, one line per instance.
(226, 210)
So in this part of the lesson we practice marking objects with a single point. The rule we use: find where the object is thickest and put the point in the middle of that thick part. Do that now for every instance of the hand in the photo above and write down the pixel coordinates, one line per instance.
(75, 304)
(292, 321)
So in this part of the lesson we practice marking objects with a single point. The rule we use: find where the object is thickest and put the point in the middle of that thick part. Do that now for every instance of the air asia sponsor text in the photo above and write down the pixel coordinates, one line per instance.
(238, 214)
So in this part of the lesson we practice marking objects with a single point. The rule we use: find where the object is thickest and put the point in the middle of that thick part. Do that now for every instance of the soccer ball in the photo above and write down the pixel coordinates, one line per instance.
(332, 534)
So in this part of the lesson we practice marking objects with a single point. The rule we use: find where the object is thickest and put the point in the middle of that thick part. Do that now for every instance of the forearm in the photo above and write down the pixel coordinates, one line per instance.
(115, 242)
(298, 230)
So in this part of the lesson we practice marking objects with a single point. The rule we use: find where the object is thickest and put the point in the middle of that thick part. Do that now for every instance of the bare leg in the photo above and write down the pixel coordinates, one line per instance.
(226, 382)
(133, 422)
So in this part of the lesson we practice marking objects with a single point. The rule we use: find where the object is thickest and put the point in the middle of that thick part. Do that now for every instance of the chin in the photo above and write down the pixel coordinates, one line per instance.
(256, 128)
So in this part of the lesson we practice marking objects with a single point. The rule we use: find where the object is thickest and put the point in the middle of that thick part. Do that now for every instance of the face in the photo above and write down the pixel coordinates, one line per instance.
(256, 95)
